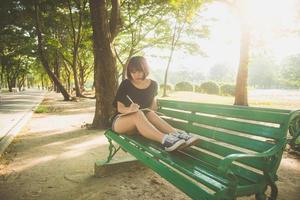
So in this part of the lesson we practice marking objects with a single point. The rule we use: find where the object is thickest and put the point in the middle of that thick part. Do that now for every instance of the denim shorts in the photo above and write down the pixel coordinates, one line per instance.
(114, 121)
(117, 116)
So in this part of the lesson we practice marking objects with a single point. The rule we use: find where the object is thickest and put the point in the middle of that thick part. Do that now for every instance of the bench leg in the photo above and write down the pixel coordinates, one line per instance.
(274, 191)
(260, 196)
(109, 167)
(272, 184)
(112, 150)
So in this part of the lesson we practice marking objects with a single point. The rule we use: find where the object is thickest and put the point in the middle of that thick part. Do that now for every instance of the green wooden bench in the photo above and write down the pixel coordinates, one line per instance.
(238, 155)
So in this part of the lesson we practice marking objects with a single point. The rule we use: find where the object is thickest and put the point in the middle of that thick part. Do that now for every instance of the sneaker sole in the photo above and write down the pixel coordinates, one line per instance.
(175, 146)
(192, 141)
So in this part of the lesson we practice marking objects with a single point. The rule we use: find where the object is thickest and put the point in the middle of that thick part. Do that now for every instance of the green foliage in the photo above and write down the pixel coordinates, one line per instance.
(168, 87)
(183, 86)
(185, 10)
(41, 109)
(291, 71)
(150, 24)
(221, 73)
(263, 72)
(16, 44)
(209, 87)
(177, 76)
(144, 25)
(198, 88)
(227, 90)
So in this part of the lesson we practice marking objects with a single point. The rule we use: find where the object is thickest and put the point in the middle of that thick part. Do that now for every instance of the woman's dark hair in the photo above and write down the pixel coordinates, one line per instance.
(137, 63)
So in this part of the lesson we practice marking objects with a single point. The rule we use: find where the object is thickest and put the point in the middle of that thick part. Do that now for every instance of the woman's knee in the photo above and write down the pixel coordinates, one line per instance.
(124, 126)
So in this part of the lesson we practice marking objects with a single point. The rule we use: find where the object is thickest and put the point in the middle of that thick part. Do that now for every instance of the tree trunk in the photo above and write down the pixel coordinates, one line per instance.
(76, 43)
(69, 82)
(173, 46)
(81, 77)
(2, 75)
(166, 73)
(57, 71)
(21, 83)
(43, 85)
(75, 73)
(43, 57)
(104, 61)
(9, 83)
(241, 92)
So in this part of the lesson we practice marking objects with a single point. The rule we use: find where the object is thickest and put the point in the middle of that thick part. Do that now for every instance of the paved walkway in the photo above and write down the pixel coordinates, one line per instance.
(15, 110)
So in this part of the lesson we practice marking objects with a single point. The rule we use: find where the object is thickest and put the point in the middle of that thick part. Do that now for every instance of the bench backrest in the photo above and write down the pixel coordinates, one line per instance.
(227, 129)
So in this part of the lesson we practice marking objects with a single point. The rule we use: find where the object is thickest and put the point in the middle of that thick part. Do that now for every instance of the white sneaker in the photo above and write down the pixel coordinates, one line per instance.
(172, 143)
(188, 138)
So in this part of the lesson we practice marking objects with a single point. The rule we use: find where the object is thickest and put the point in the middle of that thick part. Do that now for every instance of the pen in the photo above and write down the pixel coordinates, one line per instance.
(129, 99)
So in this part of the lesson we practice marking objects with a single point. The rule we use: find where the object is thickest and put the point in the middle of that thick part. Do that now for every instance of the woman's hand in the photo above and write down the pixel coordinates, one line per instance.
(134, 107)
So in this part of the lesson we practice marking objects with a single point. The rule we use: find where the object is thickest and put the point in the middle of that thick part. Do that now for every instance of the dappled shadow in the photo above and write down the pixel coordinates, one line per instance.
(70, 107)
(56, 138)
(70, 111)
(51, 161)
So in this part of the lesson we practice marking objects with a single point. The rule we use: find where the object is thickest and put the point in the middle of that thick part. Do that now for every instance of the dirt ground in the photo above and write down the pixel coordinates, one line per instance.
(54, 155)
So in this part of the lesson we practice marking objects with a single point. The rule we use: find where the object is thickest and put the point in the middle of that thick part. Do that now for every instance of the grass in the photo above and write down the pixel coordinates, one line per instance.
(281, 99)
(4, 91)
(42, 109)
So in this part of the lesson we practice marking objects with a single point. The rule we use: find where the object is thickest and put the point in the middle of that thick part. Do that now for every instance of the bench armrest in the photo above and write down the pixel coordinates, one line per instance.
(227, 161)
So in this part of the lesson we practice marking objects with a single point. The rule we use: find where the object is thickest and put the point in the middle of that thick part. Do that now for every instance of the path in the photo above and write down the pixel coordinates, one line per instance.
(15, 110)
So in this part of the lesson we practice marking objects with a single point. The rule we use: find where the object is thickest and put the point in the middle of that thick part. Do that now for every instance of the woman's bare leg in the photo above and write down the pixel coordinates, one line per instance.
(128, 124)
(159, 123)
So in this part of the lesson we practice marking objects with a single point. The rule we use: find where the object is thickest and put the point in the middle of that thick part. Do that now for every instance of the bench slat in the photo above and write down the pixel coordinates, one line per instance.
(275, 110)
(225, 151)
(239, 141)
(190, 168)
(243, 173)
(248, 114)
(175, 160)
(244, 127)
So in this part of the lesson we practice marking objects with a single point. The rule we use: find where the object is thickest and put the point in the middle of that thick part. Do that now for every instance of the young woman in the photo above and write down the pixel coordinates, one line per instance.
(136, 93)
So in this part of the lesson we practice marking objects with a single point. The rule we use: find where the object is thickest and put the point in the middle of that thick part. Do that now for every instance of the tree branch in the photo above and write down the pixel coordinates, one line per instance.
(114, 18)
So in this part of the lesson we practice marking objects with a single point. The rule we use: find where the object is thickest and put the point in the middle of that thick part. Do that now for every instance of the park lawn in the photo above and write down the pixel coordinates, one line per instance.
(258, 98)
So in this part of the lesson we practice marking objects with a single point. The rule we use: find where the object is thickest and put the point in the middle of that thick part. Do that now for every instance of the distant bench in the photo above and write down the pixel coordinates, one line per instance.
(239, 154)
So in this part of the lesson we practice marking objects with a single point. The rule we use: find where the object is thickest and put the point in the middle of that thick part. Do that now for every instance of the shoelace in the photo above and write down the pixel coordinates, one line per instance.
(183, 135)
(171, 138)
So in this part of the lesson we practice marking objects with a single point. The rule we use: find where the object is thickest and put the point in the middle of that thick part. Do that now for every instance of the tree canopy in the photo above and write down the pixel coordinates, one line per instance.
(50, 44)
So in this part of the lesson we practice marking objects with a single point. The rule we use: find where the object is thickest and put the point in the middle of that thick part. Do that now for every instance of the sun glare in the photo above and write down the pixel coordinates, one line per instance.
(267, 14)
(271, 22)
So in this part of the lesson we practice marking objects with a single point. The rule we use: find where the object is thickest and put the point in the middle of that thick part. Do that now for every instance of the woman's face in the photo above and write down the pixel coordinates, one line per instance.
(137, 75)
